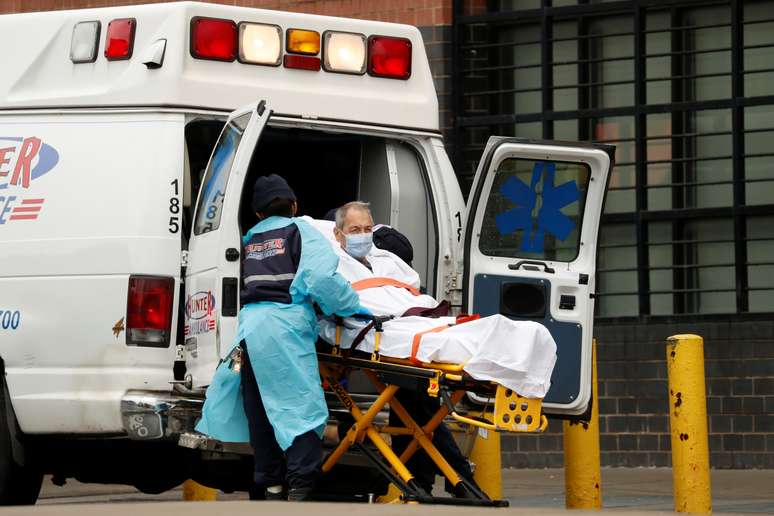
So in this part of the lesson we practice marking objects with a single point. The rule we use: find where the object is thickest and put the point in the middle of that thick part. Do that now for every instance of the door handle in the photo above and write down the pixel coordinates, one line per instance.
(230, 298)
(526, 263)
(566, 302)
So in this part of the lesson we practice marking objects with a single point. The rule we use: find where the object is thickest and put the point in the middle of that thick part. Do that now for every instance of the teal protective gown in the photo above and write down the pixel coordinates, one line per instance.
(280, 340)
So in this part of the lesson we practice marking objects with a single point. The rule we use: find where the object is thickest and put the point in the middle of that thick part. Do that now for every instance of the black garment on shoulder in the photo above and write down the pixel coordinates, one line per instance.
(270, 264)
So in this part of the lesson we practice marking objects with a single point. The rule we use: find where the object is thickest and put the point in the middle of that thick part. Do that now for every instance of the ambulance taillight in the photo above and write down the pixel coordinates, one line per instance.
(389, 57)
(149, 311)
(119, 42)
(213, 38)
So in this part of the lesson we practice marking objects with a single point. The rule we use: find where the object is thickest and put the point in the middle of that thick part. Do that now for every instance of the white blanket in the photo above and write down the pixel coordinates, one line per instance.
(517, 354)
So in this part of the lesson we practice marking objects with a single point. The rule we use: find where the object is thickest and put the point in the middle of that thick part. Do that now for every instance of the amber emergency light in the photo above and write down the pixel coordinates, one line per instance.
(305, 42)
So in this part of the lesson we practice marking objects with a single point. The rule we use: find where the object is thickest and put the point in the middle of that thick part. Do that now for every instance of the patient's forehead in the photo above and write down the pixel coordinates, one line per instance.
(357, 217)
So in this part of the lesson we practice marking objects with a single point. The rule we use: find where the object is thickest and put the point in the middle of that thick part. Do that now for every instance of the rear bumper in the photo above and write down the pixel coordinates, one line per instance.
(153, 415)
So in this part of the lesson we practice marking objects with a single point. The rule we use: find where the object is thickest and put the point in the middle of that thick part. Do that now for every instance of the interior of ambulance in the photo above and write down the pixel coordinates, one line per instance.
(326, 170)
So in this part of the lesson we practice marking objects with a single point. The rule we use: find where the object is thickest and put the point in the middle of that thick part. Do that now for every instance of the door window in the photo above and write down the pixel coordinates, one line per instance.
(210, 206)
(535, 210)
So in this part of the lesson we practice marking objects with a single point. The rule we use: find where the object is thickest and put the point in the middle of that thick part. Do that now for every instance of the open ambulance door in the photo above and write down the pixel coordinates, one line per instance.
(530, 248)
(213, 271)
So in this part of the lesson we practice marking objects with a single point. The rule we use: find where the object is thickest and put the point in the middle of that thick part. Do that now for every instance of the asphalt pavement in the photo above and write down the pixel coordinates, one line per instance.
(624, 490)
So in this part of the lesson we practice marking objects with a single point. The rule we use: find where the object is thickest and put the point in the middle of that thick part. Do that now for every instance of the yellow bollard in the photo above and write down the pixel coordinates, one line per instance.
(688, 424)
(195, 492)
(582, 484)
(486, 456)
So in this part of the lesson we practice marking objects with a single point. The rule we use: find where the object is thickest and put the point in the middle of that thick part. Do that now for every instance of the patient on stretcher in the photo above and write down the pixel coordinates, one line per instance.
(519, 355)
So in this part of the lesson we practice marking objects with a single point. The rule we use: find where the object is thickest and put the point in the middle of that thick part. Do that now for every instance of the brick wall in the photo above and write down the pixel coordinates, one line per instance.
(634, 423)
(413, 12)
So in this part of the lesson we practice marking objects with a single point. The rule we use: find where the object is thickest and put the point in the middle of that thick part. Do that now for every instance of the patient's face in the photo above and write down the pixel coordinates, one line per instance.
(356, 222)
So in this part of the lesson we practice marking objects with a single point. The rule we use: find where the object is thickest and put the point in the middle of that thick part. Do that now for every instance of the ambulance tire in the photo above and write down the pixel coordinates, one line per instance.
(19, 484)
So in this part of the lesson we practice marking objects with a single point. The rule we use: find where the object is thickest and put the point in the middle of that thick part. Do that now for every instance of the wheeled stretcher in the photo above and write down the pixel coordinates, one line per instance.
(450, 382)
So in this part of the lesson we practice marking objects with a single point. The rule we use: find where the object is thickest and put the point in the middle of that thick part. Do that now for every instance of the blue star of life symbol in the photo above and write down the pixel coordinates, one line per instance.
(550, 219)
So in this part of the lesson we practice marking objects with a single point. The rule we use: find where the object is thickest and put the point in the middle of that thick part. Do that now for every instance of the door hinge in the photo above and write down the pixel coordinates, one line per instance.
(184, 258)
(453, 282)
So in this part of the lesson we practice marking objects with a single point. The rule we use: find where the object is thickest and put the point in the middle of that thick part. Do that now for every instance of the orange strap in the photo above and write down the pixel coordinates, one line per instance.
(383, 282)
(418, 338)
(461, 319)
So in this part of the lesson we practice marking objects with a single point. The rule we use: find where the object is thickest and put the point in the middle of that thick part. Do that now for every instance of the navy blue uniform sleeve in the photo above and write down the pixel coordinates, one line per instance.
(317, 276)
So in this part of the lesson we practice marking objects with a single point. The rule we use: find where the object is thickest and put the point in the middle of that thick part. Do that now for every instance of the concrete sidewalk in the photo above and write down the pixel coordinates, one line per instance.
(644, 489)
(623, 489)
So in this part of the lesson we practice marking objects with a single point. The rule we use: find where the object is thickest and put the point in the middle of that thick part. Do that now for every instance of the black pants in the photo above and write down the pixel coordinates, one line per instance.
(299, 465)
(421, 408)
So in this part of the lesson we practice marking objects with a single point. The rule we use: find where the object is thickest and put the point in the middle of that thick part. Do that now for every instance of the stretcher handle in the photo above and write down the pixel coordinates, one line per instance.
(377, 320)
(543, 423)
(479, 423)
(463, 419)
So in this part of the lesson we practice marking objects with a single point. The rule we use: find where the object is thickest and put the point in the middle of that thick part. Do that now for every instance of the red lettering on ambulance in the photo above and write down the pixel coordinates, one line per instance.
(4, 160)
(23, 169)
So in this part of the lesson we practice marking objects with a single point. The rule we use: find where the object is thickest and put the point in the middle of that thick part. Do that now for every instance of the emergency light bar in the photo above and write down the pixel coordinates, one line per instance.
(261, 43)
(83, 46)
(220, 39)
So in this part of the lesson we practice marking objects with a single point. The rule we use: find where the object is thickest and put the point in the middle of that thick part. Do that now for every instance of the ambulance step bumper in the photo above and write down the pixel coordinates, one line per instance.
(153, 415)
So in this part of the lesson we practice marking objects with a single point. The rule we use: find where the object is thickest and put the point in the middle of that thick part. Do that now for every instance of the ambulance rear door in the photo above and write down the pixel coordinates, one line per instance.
(213, 270)
(530, 248)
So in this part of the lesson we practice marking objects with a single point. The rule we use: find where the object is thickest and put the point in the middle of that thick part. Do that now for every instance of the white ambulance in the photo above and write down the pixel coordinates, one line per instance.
(120, 225)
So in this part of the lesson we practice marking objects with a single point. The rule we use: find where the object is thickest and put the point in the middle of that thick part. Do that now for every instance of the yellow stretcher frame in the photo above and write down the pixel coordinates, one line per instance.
(512, 413)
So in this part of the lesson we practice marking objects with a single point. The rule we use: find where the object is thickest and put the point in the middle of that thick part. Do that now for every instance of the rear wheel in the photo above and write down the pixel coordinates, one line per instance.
(19, 483)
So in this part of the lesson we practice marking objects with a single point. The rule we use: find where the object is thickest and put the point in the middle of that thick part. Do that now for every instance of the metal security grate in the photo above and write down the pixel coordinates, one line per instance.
(684, 90)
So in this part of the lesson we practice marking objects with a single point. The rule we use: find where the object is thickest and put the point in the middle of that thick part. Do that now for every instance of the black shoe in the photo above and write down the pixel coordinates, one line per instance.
(256, 492)
(300, 494)
(275, 497)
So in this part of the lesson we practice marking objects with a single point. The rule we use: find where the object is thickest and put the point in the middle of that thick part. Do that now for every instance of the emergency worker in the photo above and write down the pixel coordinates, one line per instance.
(355, 232)
(287, 267)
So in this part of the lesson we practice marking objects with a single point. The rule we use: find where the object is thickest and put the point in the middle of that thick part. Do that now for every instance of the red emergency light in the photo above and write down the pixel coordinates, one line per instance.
(213, 38)
(119, 42)
(149, 310)
(389, 57)
(302, 62)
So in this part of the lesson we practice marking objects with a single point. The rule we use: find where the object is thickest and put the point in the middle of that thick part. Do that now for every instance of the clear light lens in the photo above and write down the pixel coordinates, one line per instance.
(345, 52)
(303, 42)
(259, 43)
(83, 47)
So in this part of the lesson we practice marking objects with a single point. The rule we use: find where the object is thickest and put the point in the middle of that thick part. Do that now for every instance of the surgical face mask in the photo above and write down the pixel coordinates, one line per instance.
(359, 244)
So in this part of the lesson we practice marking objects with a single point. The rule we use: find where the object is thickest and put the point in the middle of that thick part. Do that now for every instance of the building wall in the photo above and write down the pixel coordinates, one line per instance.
(682, 88)
(633, 397)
